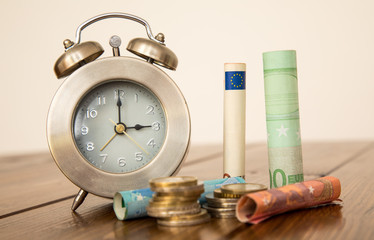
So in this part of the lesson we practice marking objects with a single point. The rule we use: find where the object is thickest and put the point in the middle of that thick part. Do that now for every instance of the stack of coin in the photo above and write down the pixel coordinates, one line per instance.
(175, 201)
(222, 203)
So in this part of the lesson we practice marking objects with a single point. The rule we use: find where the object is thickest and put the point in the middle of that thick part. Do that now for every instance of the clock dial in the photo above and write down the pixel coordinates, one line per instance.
(119, 126)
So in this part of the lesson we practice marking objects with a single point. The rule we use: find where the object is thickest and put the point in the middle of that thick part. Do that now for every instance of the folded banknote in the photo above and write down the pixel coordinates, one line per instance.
(258, 206)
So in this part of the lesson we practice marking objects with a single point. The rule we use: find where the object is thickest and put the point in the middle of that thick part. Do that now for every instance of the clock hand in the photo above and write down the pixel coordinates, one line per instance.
(106, 144)
(119, 104)
(138, 126)
(124, 132)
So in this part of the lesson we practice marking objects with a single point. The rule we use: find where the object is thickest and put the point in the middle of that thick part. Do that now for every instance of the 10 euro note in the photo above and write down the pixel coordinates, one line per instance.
(258, 206)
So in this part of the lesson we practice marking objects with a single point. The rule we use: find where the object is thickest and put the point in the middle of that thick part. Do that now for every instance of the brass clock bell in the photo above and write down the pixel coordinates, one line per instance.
(117, 122)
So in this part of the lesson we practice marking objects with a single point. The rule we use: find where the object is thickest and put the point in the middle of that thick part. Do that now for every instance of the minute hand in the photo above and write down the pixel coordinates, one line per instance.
(119, 104)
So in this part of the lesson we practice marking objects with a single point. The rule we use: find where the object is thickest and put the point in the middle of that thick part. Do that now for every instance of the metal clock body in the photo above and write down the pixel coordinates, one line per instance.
(117, 122)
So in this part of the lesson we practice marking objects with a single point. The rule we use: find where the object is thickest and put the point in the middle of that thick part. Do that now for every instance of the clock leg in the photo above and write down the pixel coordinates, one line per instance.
(78, 200)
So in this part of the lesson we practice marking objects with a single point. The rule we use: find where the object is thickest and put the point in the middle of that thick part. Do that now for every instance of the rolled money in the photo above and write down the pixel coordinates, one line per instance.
(234, 120)
(132, 204)
(282, 118)
(258, 206)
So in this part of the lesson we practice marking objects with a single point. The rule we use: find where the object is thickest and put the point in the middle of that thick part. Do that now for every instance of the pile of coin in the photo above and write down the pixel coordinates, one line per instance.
(175, 201)
(222, 202)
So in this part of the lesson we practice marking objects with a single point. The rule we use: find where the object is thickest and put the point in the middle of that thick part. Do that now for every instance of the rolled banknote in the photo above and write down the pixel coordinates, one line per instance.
(132, 204)
(258, 206)
(234, 120)
(282, 118)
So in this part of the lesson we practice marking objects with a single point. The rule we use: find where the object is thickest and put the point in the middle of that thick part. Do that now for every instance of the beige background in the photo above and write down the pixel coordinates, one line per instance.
(334, 42)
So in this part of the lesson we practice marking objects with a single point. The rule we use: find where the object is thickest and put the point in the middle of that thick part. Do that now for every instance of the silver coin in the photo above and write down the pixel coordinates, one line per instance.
(220, 202)
(218, 210)
(220, 205)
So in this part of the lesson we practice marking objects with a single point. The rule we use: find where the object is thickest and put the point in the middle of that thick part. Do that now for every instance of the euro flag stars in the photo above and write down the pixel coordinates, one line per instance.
(234, 80)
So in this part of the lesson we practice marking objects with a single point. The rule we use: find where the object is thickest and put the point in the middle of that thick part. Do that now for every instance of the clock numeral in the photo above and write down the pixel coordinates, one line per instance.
(121, 93)
(136, 97)
(101, 100)
(156, 126)
(84, 130)
(121, 161)
(151, 143)
(104, 156)
(150, 110)
(90, 146)
(91, 113)
(138, 156)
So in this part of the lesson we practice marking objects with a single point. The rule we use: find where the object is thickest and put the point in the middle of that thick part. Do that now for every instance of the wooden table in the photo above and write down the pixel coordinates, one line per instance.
(36, 199)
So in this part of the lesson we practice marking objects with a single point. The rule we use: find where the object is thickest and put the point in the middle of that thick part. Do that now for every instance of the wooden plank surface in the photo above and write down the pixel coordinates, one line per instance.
(36, 200)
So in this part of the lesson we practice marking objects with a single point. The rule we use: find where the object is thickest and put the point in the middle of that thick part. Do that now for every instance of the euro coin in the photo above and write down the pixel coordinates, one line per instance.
(219, 194)
(223, 214)
(186, 193)
(173, 198)
(220, 202)
(185, 220)
(170, 204)
(159, 212)
(185, 190)
(218, 210)
(179, 181)
(242, 188)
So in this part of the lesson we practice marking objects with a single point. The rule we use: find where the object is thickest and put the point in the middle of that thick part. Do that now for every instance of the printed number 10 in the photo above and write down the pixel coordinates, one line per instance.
(273, 178)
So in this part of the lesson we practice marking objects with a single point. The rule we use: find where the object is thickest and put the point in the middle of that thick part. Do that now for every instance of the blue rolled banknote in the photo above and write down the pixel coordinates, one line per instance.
(132, 204)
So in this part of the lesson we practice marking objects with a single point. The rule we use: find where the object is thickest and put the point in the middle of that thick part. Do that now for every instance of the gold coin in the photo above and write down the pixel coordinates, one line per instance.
(230, 195)
(187, 193)
(218, 193)
(193, 190)
(170, 204)
(174, 198)
(211, 198)
(223, 214)
(164, 182)
(173, 211)
(185, 220)
(242, 188)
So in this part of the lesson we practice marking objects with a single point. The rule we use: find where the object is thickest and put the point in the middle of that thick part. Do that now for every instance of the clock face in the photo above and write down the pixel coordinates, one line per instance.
(119, 126)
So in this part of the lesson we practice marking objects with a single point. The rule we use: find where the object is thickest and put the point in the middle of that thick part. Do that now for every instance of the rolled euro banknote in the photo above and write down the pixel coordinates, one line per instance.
(258, 206)
(282, 118)
(132, 204)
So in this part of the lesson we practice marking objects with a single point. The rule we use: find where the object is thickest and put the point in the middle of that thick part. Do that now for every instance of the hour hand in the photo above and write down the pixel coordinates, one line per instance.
(138, 126)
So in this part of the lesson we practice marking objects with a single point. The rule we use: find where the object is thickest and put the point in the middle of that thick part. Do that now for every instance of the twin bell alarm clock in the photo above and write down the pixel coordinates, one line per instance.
(116, 122)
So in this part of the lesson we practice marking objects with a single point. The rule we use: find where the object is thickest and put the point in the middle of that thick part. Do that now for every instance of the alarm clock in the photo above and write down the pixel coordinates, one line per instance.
(116, 122)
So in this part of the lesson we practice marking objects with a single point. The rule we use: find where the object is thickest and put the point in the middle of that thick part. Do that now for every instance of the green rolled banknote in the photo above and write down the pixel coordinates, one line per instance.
(282, 118)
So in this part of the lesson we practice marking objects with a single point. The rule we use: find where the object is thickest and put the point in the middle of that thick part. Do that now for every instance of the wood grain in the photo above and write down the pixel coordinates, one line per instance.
(38, 199)
(38, 177)
(27, 181)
